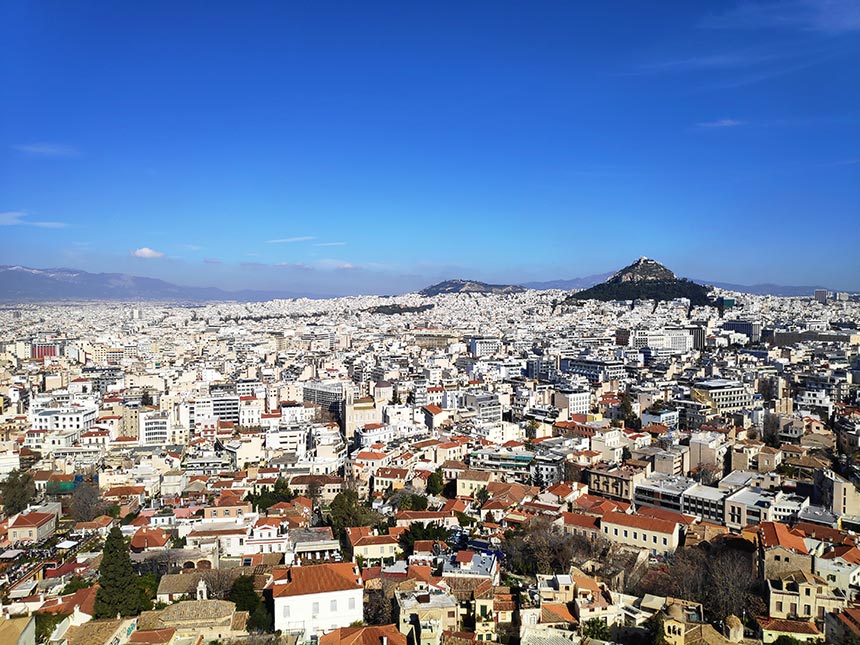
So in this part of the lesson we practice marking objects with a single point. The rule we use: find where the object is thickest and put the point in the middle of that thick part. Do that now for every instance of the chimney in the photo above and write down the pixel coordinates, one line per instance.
(384, 640)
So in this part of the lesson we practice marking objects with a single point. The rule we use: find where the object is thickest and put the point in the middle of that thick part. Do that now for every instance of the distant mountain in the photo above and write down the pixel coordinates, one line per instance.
(470, 286)
(766, 289)
(568, 285)
(19, 284)
(645, 279)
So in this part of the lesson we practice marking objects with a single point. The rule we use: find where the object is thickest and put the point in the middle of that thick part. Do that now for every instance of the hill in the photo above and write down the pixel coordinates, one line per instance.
(645, 279)
(20, 284)
(569, 284)
(470, 286)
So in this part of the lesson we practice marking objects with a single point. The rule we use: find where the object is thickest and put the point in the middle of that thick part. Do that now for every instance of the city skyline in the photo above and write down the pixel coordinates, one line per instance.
(379, 149)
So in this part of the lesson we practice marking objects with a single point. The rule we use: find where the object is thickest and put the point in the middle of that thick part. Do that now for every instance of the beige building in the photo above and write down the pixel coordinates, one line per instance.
(615, 482)
(656, 535)
(802, 595)
(471, 481)
(376, 549)
(425, 613)
(32, 527)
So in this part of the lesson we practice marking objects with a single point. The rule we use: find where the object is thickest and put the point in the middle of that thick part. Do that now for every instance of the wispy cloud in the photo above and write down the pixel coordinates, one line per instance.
(711, 62)
(147, 253)
(191, 247)
(46, 149)
(328, 264)
(211, 261)
(331, 244)
(295, 265)
(721, 123)
(826, 16)
(20, 218)
(290, 240)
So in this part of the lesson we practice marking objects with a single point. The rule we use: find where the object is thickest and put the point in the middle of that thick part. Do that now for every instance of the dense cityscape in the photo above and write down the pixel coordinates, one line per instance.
(430, 323)
(488, 464)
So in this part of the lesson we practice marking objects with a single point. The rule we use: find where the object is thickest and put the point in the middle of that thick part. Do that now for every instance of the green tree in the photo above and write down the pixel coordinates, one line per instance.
(120, 592)
(627, 413)
(419, 531)
(596, 628)
(243, 594)
(76, 584)
(435, 482)
(626, 454)
(146, 399)
(282, 490)
(785, 639)
(246, 598)
(482, 496)
(346, 511)
(45, 624)
(17, 491)
(410, 502)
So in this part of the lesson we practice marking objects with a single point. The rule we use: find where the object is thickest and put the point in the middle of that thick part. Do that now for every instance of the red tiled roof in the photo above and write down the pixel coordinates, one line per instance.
(639, 522)
(319, 578)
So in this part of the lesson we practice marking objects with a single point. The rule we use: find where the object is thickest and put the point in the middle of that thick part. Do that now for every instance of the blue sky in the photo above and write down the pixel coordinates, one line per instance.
(378, 147)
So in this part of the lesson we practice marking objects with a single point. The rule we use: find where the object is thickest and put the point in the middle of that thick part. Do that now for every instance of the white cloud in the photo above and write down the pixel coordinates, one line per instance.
(330, 264)
(289, 240)
(720, 123)
(827, 16)
(19, 218)
(46, 149)
(331, 244)
(295, 265)
(147, 253)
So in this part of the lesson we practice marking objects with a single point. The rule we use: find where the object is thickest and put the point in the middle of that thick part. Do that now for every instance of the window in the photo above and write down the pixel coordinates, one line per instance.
(315, 609)
(333, 605)
(352, 603)
(286, 611)
(779, 605)
(665, 542)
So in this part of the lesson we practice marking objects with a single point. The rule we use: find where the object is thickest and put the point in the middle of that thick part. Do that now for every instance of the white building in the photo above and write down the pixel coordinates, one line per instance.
(154, 428)
(314, 600)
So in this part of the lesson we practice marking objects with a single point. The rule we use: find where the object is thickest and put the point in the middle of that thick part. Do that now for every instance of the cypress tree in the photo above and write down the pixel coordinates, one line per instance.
(119, 590)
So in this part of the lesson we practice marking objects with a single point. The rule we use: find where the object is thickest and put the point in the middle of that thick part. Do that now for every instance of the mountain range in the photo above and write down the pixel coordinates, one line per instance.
(19, 284)
(25, 284)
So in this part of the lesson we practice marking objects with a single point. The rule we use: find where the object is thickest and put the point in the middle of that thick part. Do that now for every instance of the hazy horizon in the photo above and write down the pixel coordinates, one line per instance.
(386, 147)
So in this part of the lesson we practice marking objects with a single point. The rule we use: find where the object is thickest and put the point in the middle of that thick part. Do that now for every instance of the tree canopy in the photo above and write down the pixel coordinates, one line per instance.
(120, 591)
(435, 483)
(246, 598)
(420, 531)
(17, 491)
(346, 510)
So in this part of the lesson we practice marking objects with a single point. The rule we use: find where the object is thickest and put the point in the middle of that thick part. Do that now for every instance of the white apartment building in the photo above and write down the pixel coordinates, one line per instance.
(313, 600)
(154, 428)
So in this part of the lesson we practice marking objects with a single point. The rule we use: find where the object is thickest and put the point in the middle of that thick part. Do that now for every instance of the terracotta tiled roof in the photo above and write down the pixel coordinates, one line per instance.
(319, 578)
(370, 635)
(774, 534)
(639, 522)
